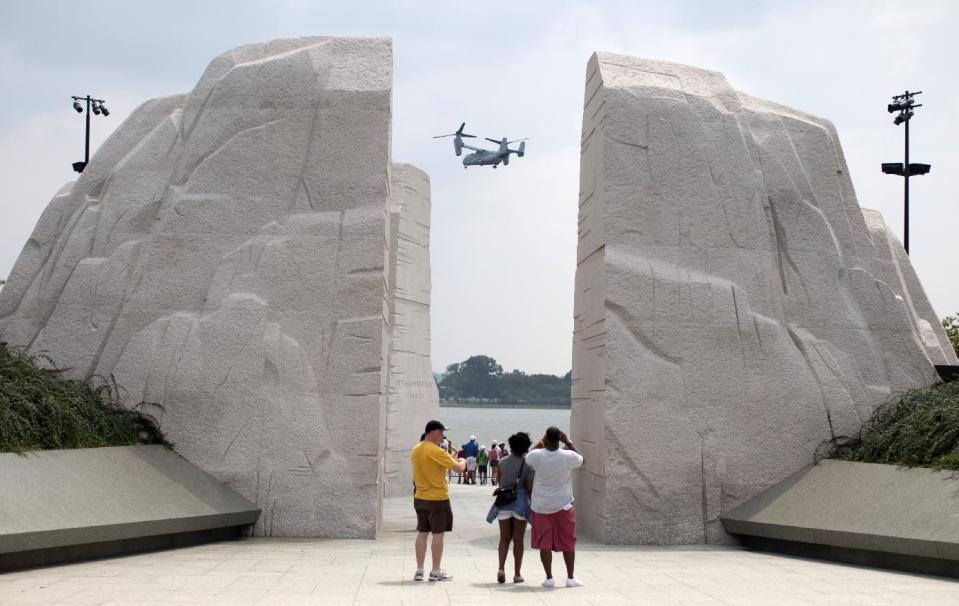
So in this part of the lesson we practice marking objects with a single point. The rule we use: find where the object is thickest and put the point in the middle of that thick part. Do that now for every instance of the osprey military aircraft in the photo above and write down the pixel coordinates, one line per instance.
(484, 157)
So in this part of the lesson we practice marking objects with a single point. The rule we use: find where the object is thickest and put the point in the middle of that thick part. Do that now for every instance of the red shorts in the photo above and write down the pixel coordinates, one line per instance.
(555, 531)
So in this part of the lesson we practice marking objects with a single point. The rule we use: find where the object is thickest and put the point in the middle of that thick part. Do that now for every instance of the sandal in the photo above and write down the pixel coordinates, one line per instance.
(500, 576)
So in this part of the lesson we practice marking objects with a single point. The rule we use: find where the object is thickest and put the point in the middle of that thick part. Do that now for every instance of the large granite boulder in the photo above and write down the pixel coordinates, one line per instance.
(411, 397)
(223, 256)
(733, 309)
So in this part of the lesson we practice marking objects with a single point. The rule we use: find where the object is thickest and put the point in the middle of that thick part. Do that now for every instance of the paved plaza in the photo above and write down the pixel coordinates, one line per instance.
(265, 571)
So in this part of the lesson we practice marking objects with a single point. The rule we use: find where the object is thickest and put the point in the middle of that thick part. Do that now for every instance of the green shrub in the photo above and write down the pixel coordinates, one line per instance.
(919, 428)
(951, 326)
(42, 410)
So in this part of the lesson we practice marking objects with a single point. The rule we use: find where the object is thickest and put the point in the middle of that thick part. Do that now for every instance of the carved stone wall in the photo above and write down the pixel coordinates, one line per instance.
(223, 255)
(412, 398)
(733, 309)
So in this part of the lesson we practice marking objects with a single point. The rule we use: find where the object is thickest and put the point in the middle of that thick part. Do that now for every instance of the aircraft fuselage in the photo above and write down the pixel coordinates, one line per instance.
(483, 158)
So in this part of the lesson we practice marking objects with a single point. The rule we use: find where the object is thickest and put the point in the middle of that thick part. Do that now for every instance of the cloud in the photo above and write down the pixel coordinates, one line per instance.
(32, 154)
(503, 274)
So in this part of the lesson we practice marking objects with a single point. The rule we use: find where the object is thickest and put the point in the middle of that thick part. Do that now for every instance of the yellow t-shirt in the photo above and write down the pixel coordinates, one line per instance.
(430, 463)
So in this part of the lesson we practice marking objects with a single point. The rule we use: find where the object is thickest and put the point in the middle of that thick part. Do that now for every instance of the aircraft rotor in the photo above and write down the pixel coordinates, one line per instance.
(503, 140)
(459, 133)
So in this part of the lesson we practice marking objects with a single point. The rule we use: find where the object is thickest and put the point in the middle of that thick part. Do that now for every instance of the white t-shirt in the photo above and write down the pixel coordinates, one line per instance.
(552, 484)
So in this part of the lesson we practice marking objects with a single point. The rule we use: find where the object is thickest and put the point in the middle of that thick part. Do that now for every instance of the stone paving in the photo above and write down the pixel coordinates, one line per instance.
(266, 571)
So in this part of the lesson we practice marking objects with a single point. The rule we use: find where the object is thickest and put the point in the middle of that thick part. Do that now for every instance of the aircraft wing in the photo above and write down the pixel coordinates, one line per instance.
(474, 148)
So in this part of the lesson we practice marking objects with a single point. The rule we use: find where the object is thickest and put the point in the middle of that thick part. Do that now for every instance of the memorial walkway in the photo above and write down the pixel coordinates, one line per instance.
(265, 571)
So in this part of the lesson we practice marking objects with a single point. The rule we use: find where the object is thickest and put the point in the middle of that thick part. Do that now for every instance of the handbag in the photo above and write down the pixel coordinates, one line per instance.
(505, 496)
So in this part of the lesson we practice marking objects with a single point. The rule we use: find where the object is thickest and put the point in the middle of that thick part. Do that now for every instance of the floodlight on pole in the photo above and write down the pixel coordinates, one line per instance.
(96, 106)
(905, 104)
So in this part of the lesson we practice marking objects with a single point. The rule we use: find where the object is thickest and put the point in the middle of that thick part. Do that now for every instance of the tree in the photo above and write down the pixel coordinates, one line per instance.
(475, 377)
(481, 377)
(951, 324)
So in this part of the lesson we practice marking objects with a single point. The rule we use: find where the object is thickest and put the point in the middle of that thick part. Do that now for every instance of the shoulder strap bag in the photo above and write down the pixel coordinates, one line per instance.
(506, 495)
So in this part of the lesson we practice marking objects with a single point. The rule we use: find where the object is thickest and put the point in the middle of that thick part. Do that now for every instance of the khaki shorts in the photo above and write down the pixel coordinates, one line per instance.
(433, 516)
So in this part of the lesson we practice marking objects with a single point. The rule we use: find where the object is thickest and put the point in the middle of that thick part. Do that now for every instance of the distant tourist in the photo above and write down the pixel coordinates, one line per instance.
(494, 462)
(503, 453)
(554, 519)
(456, 454)
(471, 467)
(431, 498)
(461, 454)
(471, 449)
(448, 447)
(482, 464)
(512, 505)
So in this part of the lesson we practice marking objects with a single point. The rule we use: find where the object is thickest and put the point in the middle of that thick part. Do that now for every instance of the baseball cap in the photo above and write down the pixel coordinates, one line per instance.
(434, 425)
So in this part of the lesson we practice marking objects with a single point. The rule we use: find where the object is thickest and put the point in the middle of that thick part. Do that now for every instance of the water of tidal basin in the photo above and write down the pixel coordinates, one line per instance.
(489, 424)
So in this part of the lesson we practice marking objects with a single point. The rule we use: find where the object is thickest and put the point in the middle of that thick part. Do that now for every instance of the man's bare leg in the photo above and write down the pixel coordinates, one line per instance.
(420, 549)
(436, 548)
(570, 558)
(546, 557)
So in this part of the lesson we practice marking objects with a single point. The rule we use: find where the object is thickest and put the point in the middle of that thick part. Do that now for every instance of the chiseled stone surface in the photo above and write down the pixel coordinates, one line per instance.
(223, 256)
(733, 309)
(411, 398)
(895, 269)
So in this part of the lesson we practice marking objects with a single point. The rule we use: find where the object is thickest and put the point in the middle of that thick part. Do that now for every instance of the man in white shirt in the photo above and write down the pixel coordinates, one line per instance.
(554, 519)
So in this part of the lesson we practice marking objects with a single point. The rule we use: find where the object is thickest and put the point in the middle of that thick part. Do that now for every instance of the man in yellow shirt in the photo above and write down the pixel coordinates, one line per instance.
(431, 498)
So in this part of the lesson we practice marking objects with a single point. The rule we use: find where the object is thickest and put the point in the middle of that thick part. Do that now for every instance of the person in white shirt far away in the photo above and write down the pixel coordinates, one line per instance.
(554, 518)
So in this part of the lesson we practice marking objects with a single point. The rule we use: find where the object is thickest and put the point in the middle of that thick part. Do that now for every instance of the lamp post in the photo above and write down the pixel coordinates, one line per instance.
(97, 106)
(905, 104)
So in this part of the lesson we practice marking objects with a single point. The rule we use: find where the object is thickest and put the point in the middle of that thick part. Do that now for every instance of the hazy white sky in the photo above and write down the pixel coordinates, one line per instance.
(504, 241)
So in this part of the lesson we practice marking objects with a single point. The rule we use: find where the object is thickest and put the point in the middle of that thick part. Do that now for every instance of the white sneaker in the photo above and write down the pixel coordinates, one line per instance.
(573, 582)
(419, 575)
(549, 583)
(440, 575)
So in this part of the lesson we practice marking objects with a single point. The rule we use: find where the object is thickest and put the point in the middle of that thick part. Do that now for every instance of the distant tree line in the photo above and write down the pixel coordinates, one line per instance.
(481, 378)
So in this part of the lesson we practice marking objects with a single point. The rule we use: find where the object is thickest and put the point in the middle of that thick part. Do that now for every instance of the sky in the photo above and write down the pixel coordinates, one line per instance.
(504, 242)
